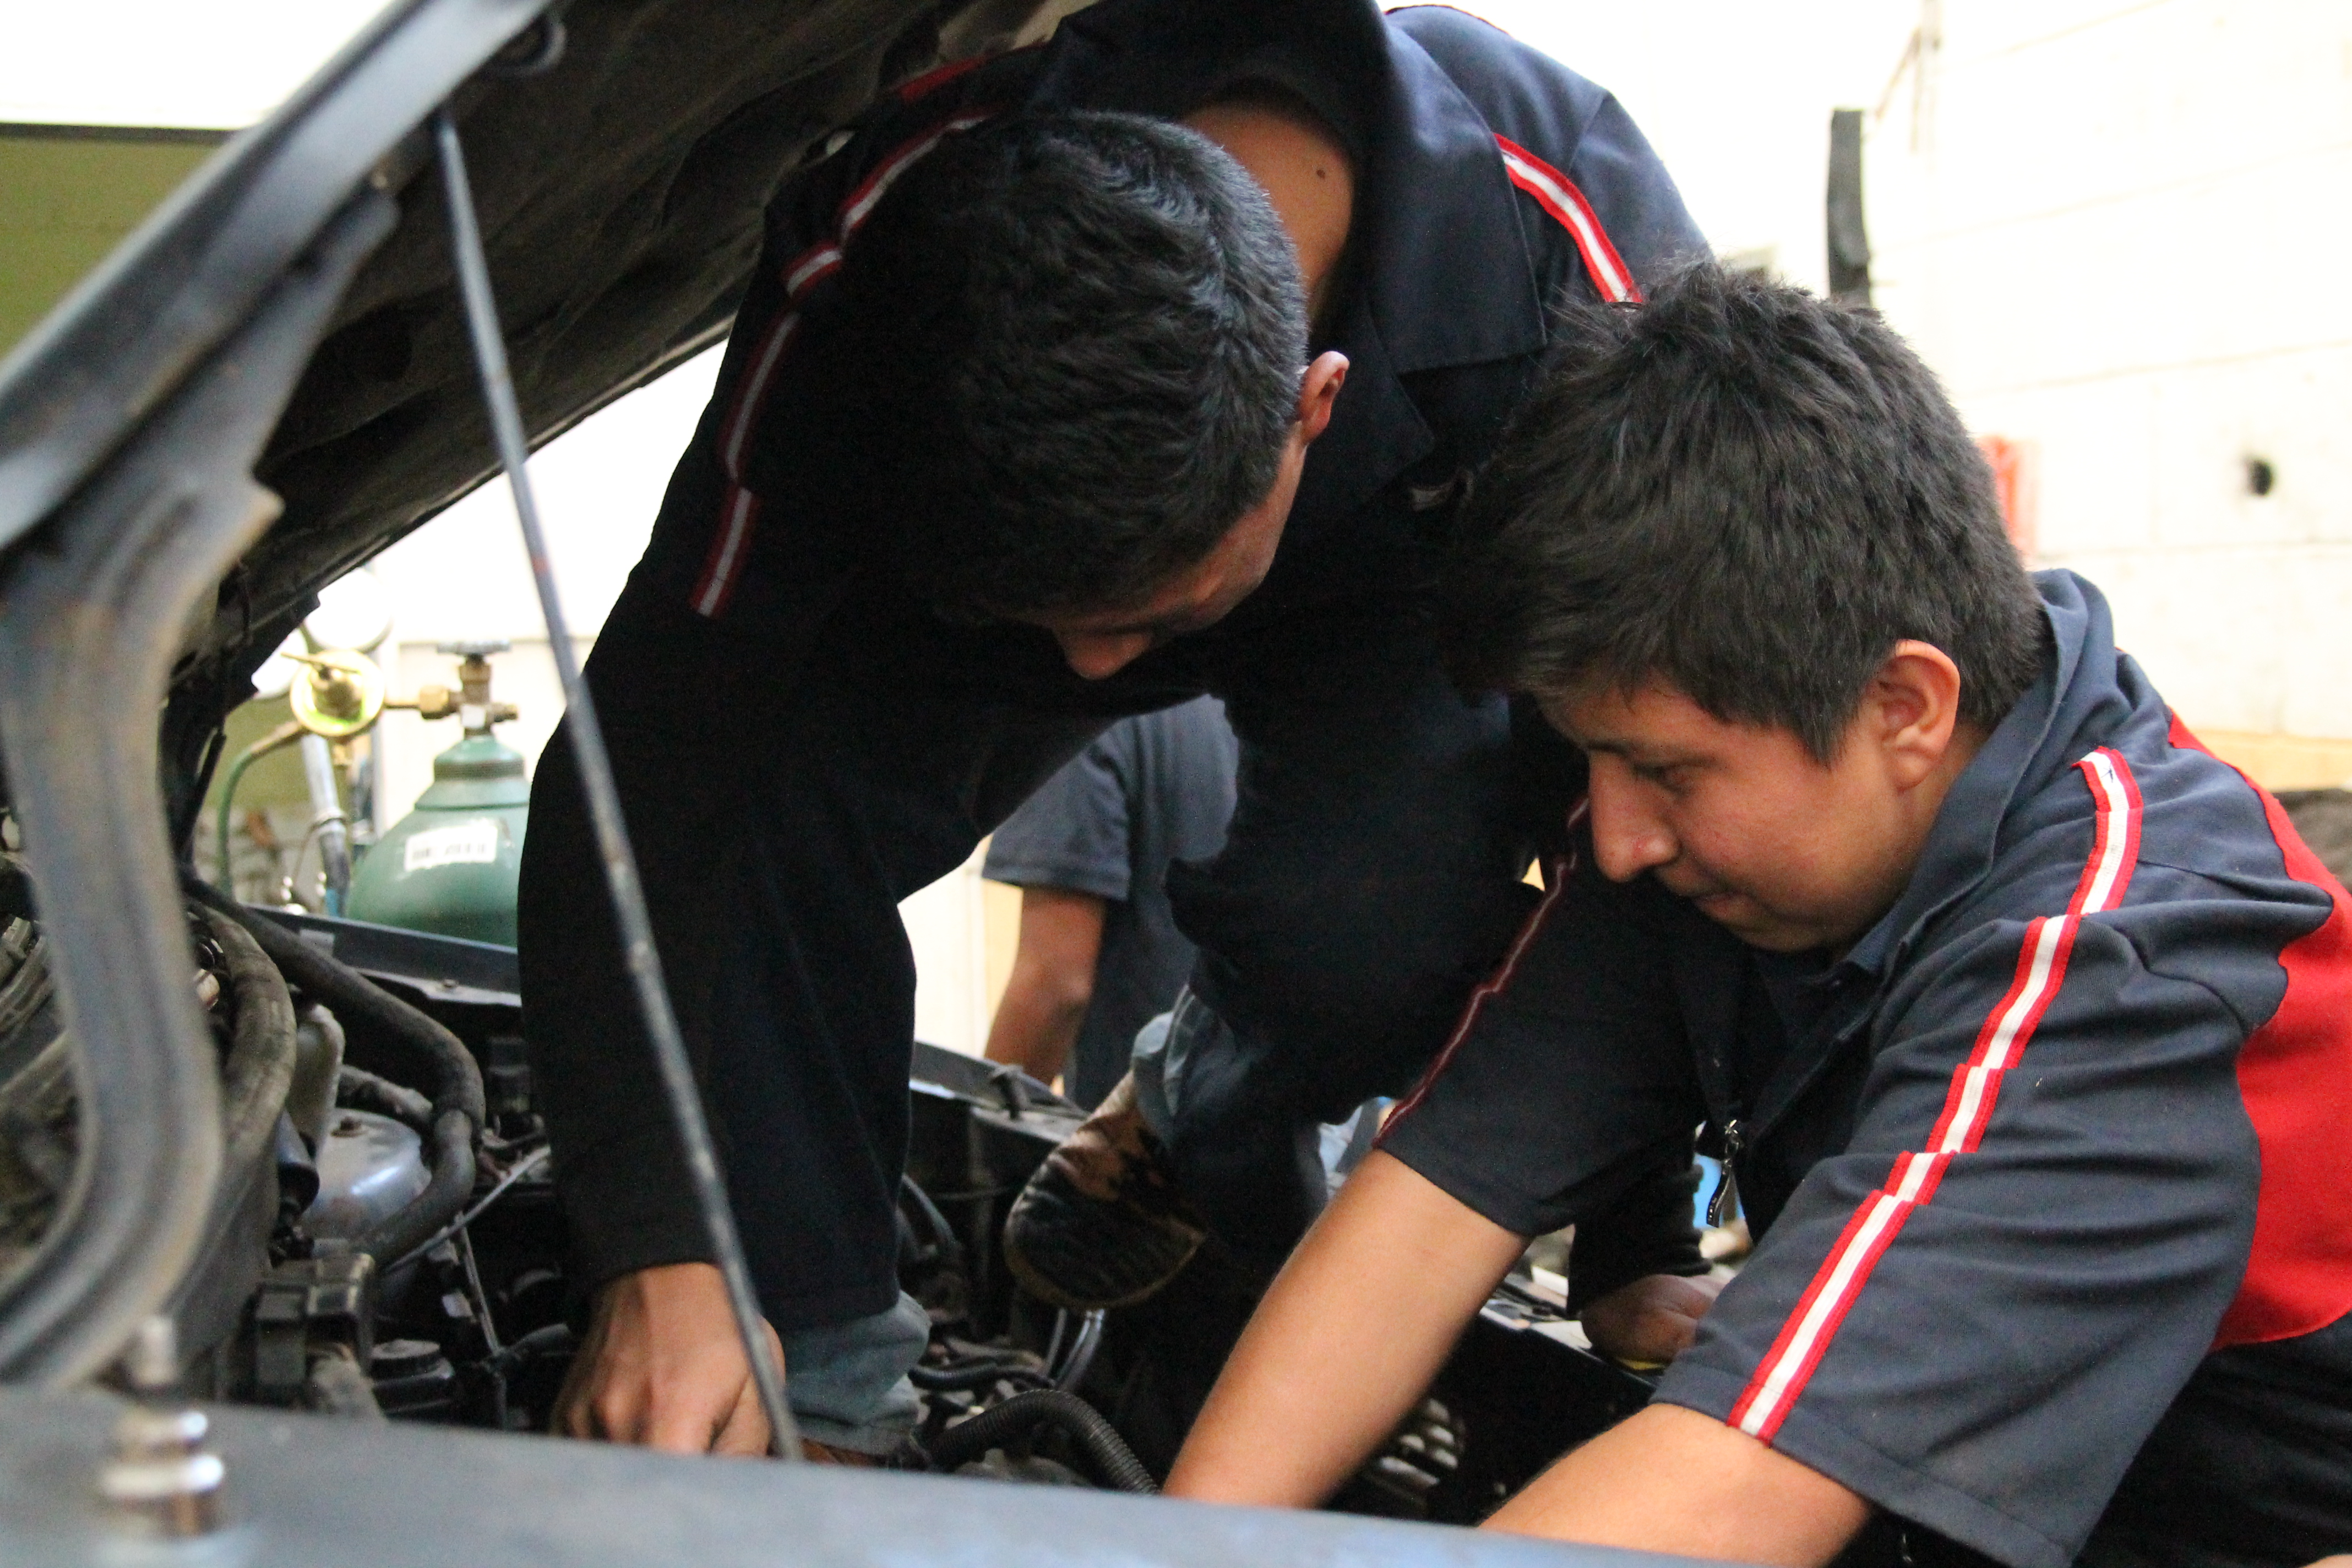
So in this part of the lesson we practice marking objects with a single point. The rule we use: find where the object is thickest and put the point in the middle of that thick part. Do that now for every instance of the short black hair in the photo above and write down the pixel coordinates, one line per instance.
(1063, 361)
(1750, 493)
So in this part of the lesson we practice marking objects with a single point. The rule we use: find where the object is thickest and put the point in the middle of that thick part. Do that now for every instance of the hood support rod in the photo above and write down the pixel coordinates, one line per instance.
(605, 800)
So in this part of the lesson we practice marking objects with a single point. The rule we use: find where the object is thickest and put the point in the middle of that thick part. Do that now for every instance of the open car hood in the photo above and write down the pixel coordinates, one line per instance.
(268, 382)
(620, 188)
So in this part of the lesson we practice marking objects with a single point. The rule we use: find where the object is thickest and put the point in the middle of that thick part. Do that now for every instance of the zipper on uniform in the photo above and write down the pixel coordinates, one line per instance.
(1723, 1187)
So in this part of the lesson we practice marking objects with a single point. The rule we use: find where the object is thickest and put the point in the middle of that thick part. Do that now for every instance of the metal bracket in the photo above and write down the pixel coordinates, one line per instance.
(305, 1305)
(91, 615)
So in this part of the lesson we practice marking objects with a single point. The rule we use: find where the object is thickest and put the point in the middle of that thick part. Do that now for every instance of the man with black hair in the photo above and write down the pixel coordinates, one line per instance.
(2017, 1019)
(1033, 417)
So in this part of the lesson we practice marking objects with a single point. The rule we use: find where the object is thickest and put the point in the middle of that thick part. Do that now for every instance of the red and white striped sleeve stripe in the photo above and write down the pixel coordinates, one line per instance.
(1780, 1379)
(738, 508)
(1557, 194)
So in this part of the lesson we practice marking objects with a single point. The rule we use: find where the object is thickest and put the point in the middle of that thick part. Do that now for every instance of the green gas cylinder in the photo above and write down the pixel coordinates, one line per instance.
(450, 867)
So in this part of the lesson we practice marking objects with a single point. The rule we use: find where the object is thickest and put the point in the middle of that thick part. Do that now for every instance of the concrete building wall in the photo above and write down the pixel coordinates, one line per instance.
(2115, 230)
(2113, 227)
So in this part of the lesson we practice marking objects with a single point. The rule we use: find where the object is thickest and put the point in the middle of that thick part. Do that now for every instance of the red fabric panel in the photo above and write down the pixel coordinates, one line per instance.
(2296, 1073)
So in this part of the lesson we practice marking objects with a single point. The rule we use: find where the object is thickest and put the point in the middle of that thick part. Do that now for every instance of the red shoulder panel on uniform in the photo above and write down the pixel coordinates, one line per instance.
(2295, 1075)
(739, 509)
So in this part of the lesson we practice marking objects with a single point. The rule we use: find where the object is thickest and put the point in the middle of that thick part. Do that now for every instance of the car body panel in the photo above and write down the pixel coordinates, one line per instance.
(434, 1497)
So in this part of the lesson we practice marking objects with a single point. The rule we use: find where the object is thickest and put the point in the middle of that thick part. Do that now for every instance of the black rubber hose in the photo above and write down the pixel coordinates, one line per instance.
(363, 1007)
(367, 1008)
(1114, 1462)
(260, 1065)
(555, 1338)
(943, 1235)
(356, 1089)
(980, 1375)
(450, 1153)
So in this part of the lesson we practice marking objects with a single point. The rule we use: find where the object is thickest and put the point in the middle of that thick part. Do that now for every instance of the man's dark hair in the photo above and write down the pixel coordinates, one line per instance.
(1064, 359)
(1751, 494)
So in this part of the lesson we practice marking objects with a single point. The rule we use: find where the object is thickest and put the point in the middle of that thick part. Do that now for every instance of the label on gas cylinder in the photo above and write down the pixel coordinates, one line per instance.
(470, 843)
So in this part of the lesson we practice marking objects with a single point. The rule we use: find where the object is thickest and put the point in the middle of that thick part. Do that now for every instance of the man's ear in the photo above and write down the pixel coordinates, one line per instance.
(1914, 707)
(1319, 389)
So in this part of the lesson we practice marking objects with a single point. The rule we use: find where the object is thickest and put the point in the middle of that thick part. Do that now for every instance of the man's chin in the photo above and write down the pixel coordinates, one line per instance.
(1755, 927)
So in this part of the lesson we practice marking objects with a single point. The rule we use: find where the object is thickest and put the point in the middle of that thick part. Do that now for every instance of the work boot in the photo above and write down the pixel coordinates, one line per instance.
(1101, 1223)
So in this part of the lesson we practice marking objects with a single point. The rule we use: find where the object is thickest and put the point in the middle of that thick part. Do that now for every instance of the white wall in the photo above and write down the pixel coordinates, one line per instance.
(222, 64)
(1735, 96)
(464, 575)
(2115, 227)
(2120, 240)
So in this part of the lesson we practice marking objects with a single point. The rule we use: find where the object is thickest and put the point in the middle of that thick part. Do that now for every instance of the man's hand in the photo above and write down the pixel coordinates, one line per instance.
(664, 1366)
(1354, 1327)
(1652, 1321)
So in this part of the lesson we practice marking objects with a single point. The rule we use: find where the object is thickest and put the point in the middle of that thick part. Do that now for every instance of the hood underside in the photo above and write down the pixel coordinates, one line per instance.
(621, 193)
(621, 188)
(291, 317)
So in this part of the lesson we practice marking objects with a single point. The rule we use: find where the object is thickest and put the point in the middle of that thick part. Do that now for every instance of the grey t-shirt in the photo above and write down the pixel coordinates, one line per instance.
(1151, 789)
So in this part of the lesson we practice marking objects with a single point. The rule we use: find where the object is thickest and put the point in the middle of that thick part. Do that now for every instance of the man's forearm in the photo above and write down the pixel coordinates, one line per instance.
(1670, 1479)
(1052, 984)
(1035, 1025)
(1356, 1325)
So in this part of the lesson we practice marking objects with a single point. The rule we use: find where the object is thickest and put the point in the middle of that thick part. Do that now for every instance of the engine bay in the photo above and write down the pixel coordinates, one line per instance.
(388, 1244)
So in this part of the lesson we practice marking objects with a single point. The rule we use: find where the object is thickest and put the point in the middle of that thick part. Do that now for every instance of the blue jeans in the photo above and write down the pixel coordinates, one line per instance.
(1169, 1044)
(847, 1382)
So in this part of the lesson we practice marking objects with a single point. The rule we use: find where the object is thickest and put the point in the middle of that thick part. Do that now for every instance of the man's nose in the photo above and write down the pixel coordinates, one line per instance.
(1095, 655)
(1627, 836)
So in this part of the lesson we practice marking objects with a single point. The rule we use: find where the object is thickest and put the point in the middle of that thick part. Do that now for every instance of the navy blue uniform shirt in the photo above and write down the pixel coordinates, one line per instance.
(799, 744)
(1490, 182)
(2046, 1171)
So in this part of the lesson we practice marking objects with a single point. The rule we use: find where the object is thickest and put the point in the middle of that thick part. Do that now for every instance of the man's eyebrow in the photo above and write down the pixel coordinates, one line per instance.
(1640, 754)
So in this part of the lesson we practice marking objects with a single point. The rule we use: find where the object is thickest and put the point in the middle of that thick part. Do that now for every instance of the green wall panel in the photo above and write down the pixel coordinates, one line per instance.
(68, 195)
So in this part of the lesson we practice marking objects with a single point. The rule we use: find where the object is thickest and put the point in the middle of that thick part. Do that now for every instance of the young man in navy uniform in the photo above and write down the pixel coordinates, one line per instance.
(2020, 1020)
(1036, 416)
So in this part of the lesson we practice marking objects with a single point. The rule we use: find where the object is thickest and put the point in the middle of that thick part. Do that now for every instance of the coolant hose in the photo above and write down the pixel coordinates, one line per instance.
(260, 1066)
(974, 1376)
(356, 1089)
(367, 1009)
(1114, 1461)
(451, 1154)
